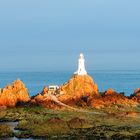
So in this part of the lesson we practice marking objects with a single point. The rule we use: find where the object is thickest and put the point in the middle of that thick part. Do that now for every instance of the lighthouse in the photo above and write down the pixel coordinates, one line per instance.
(81, 66)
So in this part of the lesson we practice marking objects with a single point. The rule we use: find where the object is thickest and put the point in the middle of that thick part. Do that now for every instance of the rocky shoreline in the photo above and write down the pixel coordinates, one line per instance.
(76, 110)
(79, 91)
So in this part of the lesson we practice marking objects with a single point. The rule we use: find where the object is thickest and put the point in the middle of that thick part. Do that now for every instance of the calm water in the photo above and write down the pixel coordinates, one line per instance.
(121, 81)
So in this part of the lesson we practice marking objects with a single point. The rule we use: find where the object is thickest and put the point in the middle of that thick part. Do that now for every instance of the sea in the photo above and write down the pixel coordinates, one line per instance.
(119, 80)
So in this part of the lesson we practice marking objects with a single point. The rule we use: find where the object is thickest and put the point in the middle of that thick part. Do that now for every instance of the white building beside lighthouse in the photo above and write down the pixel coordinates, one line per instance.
(81, 66)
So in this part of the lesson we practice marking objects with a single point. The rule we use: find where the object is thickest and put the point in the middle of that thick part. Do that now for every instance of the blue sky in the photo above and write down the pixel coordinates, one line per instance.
(49, 34)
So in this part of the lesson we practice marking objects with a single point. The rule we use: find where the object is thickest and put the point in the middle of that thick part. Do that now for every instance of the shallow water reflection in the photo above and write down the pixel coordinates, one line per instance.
(12, 126)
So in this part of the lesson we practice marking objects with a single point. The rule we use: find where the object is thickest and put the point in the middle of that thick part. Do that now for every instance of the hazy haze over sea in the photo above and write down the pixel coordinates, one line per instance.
(48, 36)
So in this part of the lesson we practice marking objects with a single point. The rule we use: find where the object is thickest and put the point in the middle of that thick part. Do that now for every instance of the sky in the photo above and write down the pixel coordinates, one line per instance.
(48, 35)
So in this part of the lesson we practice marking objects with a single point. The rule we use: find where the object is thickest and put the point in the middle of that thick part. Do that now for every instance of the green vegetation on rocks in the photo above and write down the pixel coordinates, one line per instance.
(5, 131)
(40, 122)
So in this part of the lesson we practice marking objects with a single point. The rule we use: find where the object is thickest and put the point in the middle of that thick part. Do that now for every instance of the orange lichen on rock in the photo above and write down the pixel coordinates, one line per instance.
(12, 94)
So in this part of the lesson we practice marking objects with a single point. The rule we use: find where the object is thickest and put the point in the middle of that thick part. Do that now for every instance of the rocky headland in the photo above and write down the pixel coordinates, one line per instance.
(79, 91)
(82, 91)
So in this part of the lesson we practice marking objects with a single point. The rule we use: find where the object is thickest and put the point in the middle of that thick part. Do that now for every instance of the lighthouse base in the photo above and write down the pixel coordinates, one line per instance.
(80, 73)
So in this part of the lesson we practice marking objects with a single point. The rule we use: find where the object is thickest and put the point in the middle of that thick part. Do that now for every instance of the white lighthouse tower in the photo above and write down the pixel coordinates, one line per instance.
(81, 66)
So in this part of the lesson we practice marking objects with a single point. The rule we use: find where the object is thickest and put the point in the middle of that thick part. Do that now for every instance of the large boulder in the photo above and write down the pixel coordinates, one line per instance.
(12, 94)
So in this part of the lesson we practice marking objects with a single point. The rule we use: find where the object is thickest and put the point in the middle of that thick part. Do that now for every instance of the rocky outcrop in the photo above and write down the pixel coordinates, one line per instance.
(45, 90)
(136, 95)
(84, 85)
(111, 98)
(77, 90)
(82, 91)
(42, 100)
(109, 92)
(12, 94)
(74, 92)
